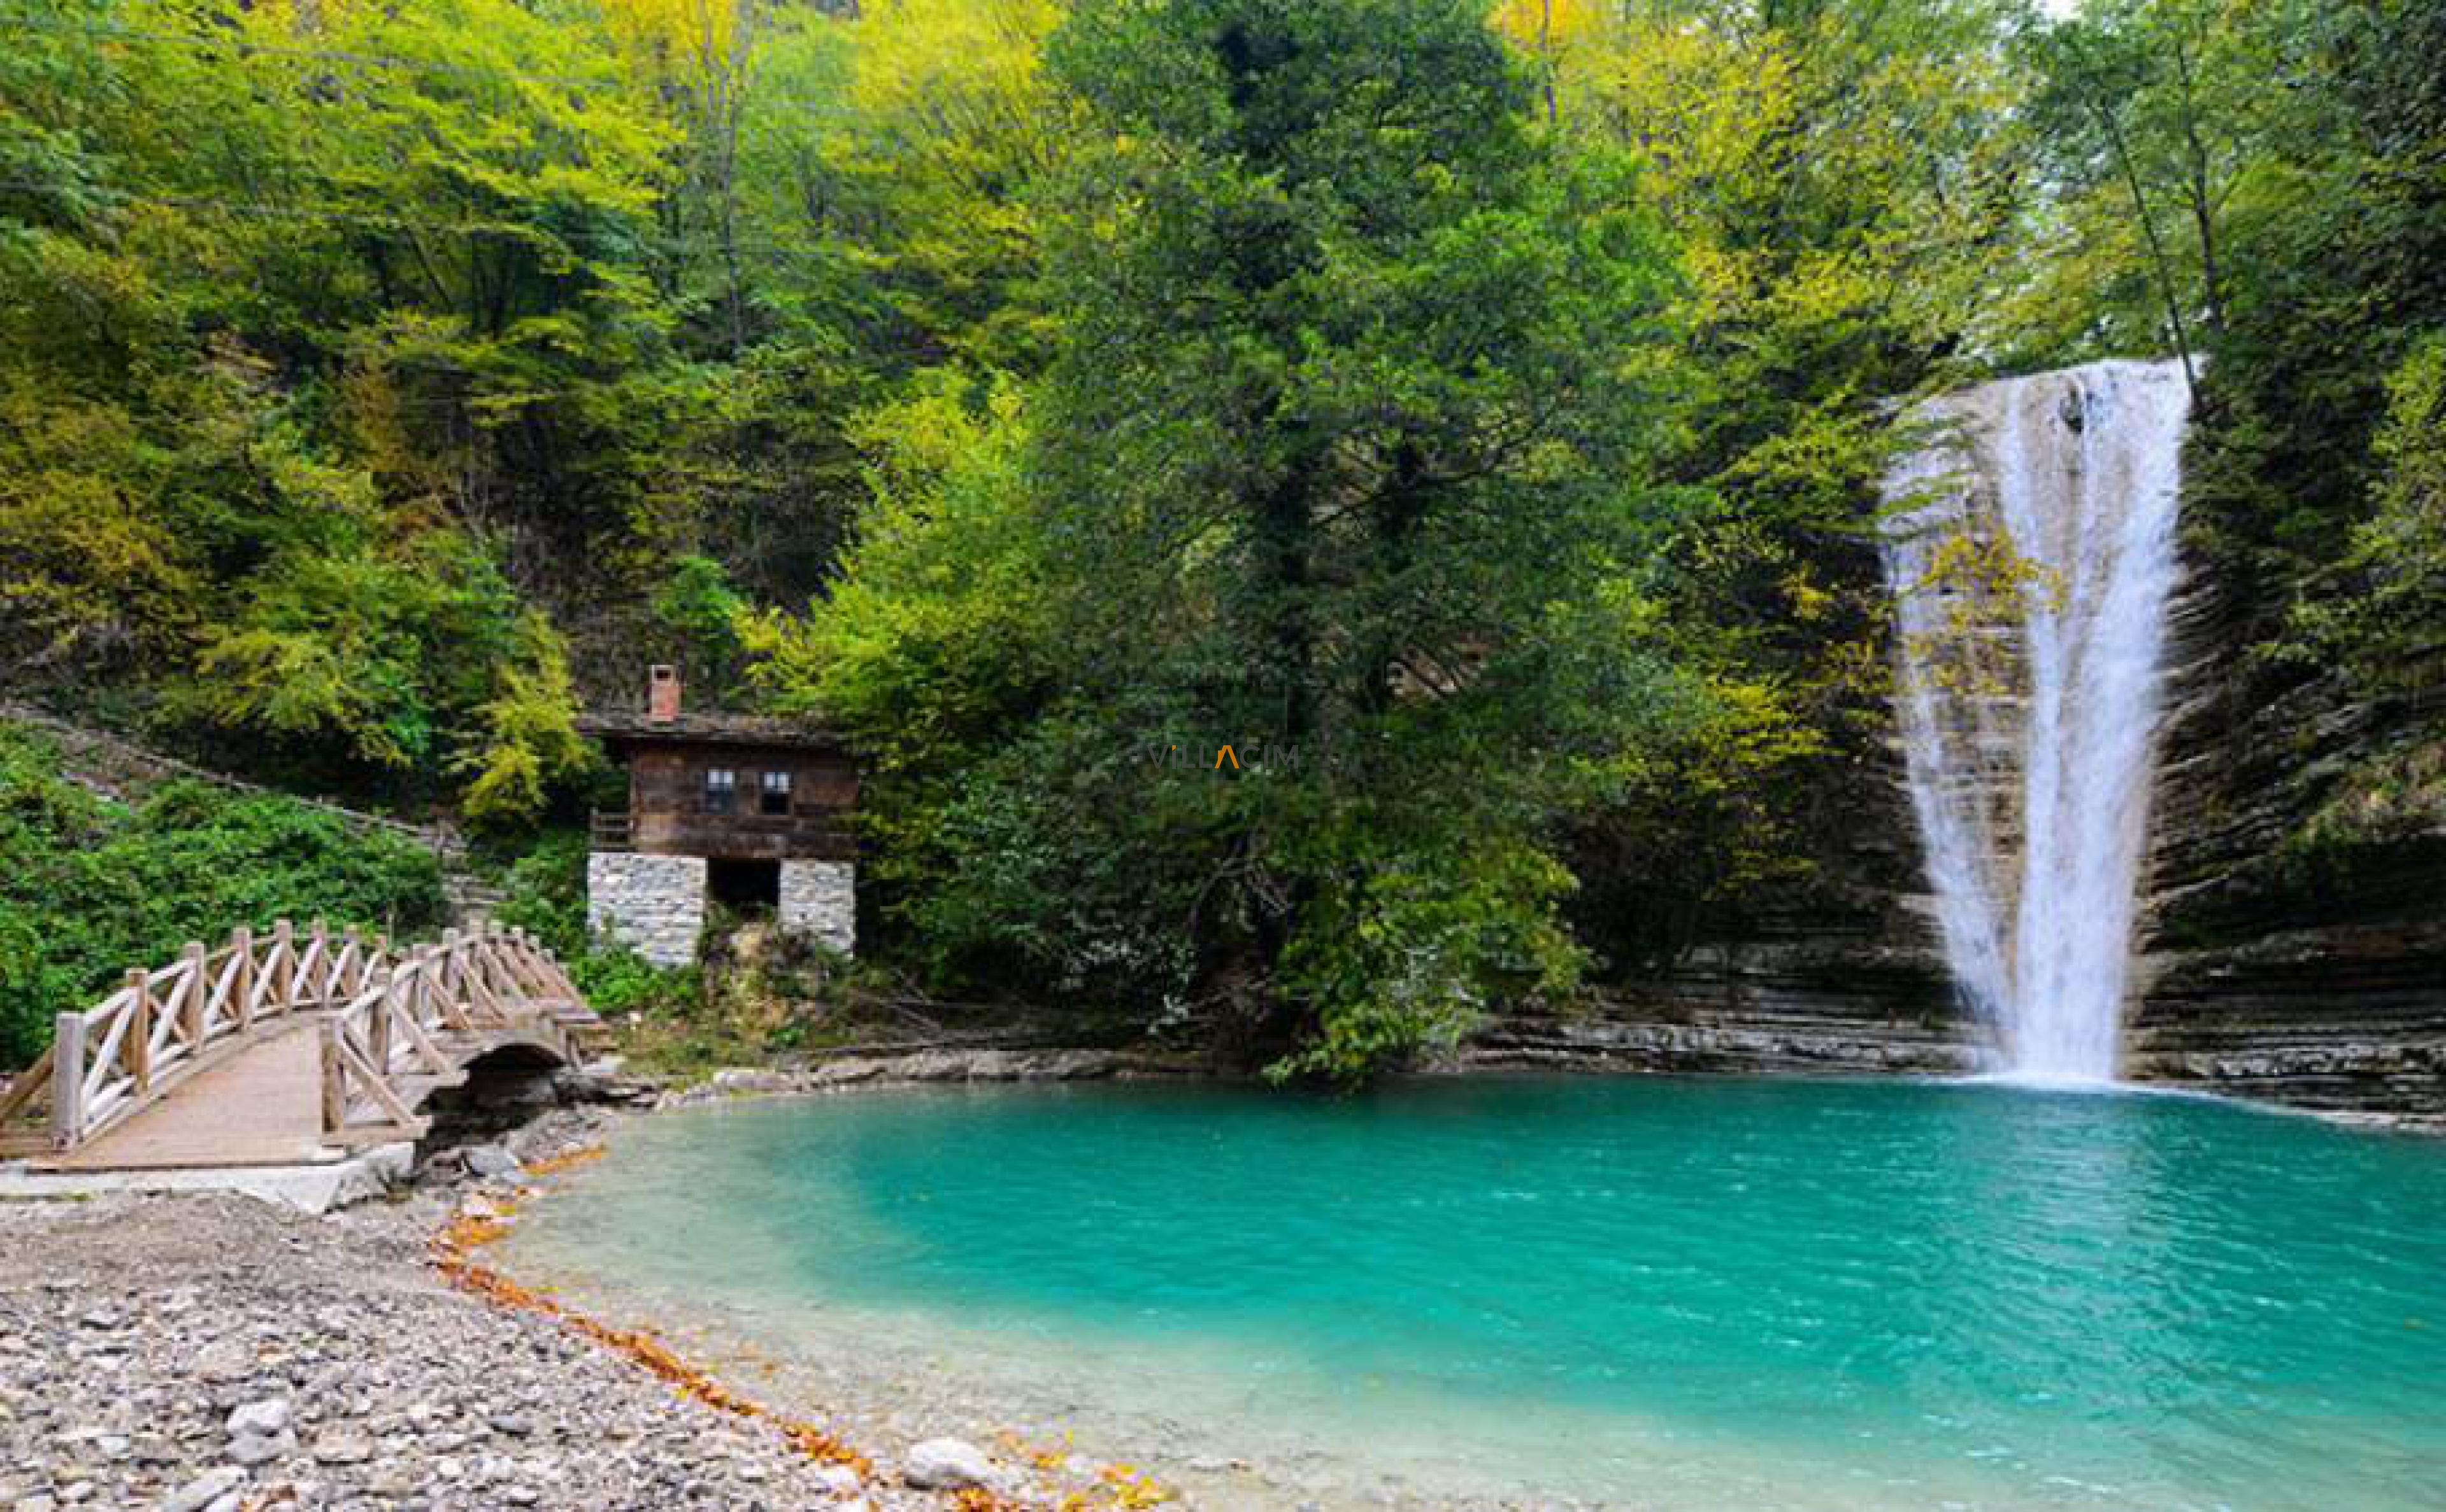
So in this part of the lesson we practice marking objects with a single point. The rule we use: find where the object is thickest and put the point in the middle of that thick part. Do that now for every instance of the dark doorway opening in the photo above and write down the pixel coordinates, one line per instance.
(745, 886)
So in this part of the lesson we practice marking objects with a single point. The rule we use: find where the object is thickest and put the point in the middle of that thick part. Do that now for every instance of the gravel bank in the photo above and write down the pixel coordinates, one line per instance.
(217, 1353)
(210, 1353)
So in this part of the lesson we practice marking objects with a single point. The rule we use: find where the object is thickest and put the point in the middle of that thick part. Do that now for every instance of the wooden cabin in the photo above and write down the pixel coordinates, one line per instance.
(743, 811)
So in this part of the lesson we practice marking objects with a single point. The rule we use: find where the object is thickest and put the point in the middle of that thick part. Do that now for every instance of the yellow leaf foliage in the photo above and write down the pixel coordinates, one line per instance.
(685, 37)
(1542, 25)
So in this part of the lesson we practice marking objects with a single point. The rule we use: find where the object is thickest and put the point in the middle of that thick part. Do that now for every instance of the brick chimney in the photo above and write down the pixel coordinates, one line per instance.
(663, 694)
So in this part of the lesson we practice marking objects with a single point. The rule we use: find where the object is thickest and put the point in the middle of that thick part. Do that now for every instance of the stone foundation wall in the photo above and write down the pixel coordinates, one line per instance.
(820, 900)
(655, 904)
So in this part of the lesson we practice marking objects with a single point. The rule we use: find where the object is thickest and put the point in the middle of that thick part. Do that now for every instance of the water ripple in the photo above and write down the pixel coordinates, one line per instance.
(1712, 1293)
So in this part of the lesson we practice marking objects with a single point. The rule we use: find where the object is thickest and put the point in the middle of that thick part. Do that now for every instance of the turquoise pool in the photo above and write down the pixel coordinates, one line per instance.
(1639, 1292)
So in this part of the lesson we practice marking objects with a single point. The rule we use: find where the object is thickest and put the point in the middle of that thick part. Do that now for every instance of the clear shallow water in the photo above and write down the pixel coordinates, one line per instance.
(1644, 1292)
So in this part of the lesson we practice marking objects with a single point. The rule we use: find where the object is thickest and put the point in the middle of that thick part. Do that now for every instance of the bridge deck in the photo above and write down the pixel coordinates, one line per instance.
(262, 1107)
(286, 1049)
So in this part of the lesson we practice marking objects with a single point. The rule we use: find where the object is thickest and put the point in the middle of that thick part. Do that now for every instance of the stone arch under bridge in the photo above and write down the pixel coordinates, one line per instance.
(295, 1047)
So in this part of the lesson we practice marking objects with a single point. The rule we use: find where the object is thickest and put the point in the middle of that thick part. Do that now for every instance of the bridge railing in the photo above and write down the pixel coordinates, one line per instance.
(108, 1061)
(382, 1010)
(491, 983)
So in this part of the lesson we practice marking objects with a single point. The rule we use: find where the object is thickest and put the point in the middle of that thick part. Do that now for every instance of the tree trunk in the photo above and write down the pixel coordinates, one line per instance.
(2203, 204)
(2156, 248)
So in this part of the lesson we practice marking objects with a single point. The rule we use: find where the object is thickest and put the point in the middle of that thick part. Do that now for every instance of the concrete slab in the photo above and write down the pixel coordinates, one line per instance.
(314, 1190)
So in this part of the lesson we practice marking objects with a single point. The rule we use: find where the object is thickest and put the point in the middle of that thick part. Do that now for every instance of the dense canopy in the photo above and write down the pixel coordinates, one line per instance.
(1468, 414)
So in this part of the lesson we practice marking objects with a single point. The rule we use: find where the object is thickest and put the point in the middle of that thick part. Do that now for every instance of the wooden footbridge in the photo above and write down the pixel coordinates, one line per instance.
(295, 1047)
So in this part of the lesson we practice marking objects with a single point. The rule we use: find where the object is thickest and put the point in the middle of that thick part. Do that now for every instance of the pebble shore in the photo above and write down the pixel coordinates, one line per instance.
(215, 1353)
(220, 1353)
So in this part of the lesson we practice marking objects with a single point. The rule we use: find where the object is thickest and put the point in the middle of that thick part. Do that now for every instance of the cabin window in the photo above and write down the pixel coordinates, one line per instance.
(721, 790)
(776, 793)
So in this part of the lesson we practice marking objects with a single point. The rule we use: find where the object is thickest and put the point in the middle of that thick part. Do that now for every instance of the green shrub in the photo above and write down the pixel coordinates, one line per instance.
(544, 892)
(89, 887)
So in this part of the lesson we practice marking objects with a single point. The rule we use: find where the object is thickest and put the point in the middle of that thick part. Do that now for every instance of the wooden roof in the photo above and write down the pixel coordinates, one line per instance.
(709, 729)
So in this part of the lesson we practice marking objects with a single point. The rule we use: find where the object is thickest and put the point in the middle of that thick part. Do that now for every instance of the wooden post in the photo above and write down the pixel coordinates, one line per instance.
(284, 976)
(243, 985)
(378, 1028)
(434, 1006)
(436, 1002)
(136, 1044)
(198, 998)
(67, 1080)
(319, 947)
(335, 1096)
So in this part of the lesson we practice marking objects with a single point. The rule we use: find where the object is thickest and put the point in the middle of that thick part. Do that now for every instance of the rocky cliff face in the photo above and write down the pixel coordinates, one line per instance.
(2271, 966)
(2260, 974)
(2266, 970)
(1852, 982)
(2274, 960)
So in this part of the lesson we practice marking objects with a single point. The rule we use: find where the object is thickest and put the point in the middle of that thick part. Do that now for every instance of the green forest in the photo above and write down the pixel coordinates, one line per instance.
(1471, 415)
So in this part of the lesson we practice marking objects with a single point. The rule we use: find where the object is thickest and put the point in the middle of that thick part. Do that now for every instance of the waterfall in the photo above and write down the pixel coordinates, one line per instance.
(2030, 548)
